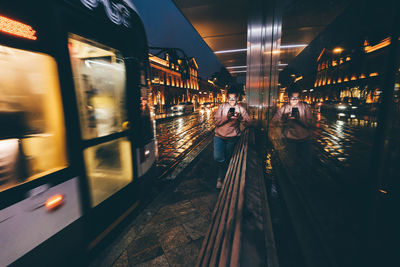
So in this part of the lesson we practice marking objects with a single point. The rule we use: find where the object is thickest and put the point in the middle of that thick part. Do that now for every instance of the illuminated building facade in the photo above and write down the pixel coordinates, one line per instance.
(173, 82)
(210, 92)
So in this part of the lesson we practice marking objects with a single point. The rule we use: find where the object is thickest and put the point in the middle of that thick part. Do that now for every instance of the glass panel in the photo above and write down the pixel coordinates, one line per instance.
(109, 168)
(100, 83)
(32, 134)
(332, 164)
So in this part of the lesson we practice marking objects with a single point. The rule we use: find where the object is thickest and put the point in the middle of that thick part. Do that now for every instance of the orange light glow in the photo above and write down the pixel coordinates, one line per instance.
(320, 55)
(348, 58)
(373, 74)
(353, 78)
(298, 79)
(158, 60)
(382, 44)
(382, 191)
(337, 50)
(346, 79)
(17, 28)
(362, 76)
(54, 202)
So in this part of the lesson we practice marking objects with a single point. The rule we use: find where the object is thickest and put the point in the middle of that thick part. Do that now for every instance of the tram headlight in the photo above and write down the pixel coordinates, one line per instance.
(341, 107)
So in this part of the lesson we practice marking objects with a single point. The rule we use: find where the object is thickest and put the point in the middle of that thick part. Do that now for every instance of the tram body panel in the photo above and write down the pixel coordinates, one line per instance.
(146, 157)
(28, 223)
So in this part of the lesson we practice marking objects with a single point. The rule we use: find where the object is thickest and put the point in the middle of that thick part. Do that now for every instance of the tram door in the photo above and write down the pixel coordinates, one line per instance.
(99, 75)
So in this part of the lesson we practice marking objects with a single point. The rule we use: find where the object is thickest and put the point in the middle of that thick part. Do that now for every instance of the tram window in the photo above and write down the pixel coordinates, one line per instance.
(109, 168)
(32, 134)
(100, 83)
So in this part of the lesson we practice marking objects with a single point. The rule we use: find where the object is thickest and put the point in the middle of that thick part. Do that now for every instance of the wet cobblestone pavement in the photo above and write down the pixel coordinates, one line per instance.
(177, 136)
(170, 230)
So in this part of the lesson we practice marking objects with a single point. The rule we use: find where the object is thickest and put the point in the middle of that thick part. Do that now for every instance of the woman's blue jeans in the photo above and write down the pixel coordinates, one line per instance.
(223, 149)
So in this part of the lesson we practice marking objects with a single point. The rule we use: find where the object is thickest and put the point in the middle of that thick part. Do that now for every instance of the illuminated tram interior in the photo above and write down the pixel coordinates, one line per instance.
(32, 136)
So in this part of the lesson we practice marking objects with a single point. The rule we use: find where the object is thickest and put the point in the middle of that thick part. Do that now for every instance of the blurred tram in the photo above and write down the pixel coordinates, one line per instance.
(77, 145)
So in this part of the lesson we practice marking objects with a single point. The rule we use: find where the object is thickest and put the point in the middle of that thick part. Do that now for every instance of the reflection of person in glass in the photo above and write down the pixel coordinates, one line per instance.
(297, 122)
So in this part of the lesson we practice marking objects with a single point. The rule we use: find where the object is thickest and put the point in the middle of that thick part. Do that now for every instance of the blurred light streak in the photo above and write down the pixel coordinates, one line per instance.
(230, 51)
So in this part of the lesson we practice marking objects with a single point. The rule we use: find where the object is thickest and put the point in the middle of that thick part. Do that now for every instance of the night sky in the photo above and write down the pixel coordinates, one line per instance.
(167, 27)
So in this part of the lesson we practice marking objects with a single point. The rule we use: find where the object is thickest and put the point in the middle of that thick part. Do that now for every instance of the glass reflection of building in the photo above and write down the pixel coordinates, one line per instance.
(354, 71)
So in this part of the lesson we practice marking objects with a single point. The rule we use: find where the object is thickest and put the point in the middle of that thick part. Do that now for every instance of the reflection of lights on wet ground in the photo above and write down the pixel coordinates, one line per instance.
(338, 139)
(341, 123)
(180, 125)
(179, 134)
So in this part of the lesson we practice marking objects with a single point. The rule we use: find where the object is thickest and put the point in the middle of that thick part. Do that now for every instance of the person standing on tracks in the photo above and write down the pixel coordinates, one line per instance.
(228, 118)
(297, 123)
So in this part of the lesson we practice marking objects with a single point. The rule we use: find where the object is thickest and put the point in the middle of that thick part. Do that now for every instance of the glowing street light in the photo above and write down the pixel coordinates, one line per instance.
(337, 50)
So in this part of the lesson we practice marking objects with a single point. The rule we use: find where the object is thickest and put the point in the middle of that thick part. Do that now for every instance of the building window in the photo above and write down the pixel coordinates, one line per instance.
(32, 133)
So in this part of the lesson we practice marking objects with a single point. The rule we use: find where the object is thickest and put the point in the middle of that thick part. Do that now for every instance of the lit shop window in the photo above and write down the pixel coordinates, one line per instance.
(100, 85)
(100, 80)
(32, 134)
